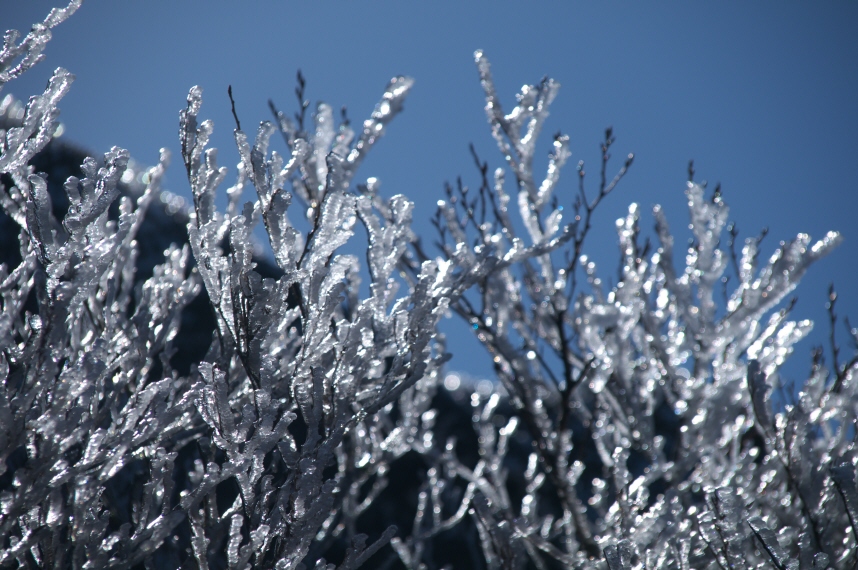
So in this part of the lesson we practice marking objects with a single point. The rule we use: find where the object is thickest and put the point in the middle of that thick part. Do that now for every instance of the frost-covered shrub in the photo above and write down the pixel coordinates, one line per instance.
(646, 408)
(628, 428)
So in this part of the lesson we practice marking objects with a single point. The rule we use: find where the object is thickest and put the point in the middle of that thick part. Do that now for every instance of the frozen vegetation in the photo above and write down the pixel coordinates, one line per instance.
(642, 425)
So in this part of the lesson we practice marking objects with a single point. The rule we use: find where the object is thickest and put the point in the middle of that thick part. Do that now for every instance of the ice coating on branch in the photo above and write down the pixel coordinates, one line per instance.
(516, 133)
(353, 357)
(97, 339)
(329, 142)
(303, 347)
(646, 378)
(640, 421)
(81, 368)
(391, 104)
(18, 145)
(15, 59)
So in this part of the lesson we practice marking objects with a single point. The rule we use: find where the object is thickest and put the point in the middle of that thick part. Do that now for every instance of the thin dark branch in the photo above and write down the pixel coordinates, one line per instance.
(303, 104)
(731, 244)
(832, 336)
(232, 104)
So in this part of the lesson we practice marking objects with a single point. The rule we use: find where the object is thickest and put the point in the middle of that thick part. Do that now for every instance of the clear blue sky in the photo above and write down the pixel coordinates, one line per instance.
(762, 95)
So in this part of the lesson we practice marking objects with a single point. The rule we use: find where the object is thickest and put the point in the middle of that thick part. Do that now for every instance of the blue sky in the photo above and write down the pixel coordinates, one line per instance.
(763, 96)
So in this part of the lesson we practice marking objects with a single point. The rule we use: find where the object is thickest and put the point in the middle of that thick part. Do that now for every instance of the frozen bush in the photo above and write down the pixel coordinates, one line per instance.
(643, 426)
(647, 410)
